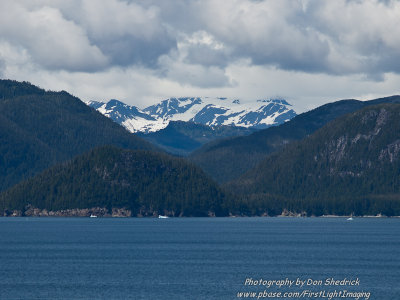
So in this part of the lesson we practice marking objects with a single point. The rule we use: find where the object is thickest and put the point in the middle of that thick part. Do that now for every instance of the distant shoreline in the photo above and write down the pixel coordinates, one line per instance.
(65, 215)
(117, 212)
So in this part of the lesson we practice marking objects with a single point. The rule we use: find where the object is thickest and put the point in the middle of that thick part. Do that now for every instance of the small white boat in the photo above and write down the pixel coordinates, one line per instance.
(93, 216)
(162, 217)
(350, 219)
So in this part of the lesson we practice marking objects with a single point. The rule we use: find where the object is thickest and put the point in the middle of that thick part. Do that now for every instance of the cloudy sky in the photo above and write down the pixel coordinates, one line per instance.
(142, 51)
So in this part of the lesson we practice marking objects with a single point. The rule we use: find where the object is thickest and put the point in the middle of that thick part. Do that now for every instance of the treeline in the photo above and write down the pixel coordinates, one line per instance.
(144, 182)
(349, 166)
(276, 205)
(182, 138)
(352, 165)
(39, 129)
(227, 160)
(12, 89)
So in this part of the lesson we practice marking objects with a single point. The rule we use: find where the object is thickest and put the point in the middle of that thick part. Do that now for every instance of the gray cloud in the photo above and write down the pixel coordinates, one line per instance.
(85, 36)
(2, 67)
(207, 56)
(198, 45)
(130, 50)
(127, 32)
(333, 37)
(267, 33)
(363, 36)
(48, 39)
(202, 76)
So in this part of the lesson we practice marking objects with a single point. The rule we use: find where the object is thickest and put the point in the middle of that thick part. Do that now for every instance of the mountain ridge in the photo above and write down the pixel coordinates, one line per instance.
(182, 138)
(227, 159)
(206, 111)
(138, 182)
(40, 128)
(349, 166)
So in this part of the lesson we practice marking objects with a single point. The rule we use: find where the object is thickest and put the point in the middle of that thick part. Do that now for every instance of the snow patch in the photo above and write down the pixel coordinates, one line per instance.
(207, 110)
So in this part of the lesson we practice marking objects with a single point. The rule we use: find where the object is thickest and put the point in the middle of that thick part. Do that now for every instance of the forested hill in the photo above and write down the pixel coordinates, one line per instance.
(181, 138)
(39, 129)
(143, 182)
(352, 165)
(228, 159)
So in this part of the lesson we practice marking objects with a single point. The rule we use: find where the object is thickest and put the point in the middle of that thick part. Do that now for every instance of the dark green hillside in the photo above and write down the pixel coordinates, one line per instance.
(39, 129)
(144, 182)
(12, 89)
(226, 160)
(182, 138)
(352, 165)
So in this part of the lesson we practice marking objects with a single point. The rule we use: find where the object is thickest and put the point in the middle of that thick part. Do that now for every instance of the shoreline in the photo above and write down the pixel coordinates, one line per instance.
(124, 215)
(118, 212)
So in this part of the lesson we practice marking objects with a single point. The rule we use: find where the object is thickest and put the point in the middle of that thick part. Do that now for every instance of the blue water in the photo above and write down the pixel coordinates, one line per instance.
(193, 258)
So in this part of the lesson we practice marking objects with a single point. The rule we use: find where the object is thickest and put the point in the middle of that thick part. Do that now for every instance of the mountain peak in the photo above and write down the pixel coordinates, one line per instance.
(209, 111)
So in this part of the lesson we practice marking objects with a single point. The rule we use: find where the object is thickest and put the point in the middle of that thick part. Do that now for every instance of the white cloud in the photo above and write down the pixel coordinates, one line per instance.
(309, 51)
(267, 32)
(50, 41)
(364, 35)
(333, 37)
(194, 74)
(127, 33)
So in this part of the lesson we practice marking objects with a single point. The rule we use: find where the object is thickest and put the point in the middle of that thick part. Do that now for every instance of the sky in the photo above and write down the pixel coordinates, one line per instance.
(308, 52)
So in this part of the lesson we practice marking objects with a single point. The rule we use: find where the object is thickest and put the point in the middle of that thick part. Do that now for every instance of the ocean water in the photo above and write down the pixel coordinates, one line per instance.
(199, 258)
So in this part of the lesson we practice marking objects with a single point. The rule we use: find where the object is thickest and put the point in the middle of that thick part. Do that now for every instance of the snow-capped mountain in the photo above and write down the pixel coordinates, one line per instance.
(131, 117)
(207, 111)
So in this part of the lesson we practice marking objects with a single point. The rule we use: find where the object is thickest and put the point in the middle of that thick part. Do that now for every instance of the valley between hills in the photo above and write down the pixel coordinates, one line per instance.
(60, 156)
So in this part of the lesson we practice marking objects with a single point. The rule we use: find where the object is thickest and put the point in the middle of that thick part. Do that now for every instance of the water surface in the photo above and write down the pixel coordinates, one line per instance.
(193, 258)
